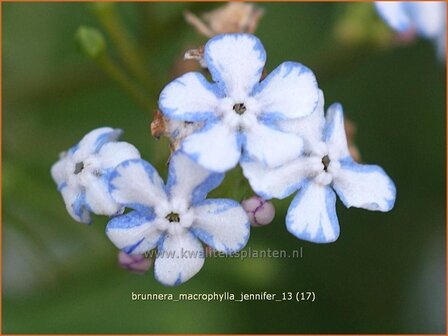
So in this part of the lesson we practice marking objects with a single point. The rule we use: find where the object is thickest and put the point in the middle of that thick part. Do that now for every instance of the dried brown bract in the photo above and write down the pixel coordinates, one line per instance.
(158, 125)
(234, 17)
(174, 130)
(196, 54)
(187, 63)
(177, 131)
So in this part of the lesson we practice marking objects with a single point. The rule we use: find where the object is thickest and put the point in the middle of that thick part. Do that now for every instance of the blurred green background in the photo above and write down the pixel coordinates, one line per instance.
(385, 274)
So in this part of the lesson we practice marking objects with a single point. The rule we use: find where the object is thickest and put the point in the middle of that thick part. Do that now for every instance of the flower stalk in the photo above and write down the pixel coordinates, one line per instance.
(92, 43)
(107, 15)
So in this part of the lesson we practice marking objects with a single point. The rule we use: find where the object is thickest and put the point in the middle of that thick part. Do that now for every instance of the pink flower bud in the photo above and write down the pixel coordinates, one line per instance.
(260, 212)
(134, 263)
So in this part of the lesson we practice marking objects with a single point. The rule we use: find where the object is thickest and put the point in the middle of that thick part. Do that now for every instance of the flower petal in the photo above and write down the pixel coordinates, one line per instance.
(58, 171)
(179, 130)
(94, 140)
(114, 153)
(394, 14)
(236, 62)
(214, 147)
(134, 233)
(190, 98)
(428, 17)
(312, 214)
(334, 133)
(179, 258)
(222, 224)
(76, 204)
(309, 128)
(98, 198)
(136, 184)
(364, 186)
(189, 181)
(271, 146)
(288, 92)
(277, 182)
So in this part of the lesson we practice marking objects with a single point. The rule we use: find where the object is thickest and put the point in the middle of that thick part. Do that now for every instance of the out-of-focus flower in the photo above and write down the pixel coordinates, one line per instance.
(174, 218)
(240, 113)
(135, 263)
(426, 18)
(260, 212)
(234, 17)
(82, 173)
(327, 167)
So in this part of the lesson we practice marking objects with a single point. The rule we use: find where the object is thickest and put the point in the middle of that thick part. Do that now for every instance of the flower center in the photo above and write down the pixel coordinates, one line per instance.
(239, 108)
(79, 166)
(173, 217)
(326, 162)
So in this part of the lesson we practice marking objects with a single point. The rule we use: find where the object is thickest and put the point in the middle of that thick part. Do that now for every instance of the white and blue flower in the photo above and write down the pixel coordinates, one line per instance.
(174, 218)
(325, 170)
(426, 18)
(82, 172)
(240, 113)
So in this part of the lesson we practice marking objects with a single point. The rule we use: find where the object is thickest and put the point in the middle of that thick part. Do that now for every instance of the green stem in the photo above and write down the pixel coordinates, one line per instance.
(116, 73)
(126, 47)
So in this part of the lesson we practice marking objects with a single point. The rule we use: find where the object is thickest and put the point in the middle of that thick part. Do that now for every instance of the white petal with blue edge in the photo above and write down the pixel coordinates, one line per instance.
(312, 214)
(310, 127)
(334, 133)
(215, 147)
(236, 62)
(133, 233)
(75, 203)
(190, 98)
(288, 92)
(135, 183)
(271, 146)
(179, 258)
(276, 182)
(59, 171)
(112, 154)
(189, 181)
(98, 197)
(364, 186)
(94, 140)
(222, 224)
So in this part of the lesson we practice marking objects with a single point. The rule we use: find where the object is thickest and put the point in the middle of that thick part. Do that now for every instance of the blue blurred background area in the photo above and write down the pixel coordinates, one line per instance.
(385, 274)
